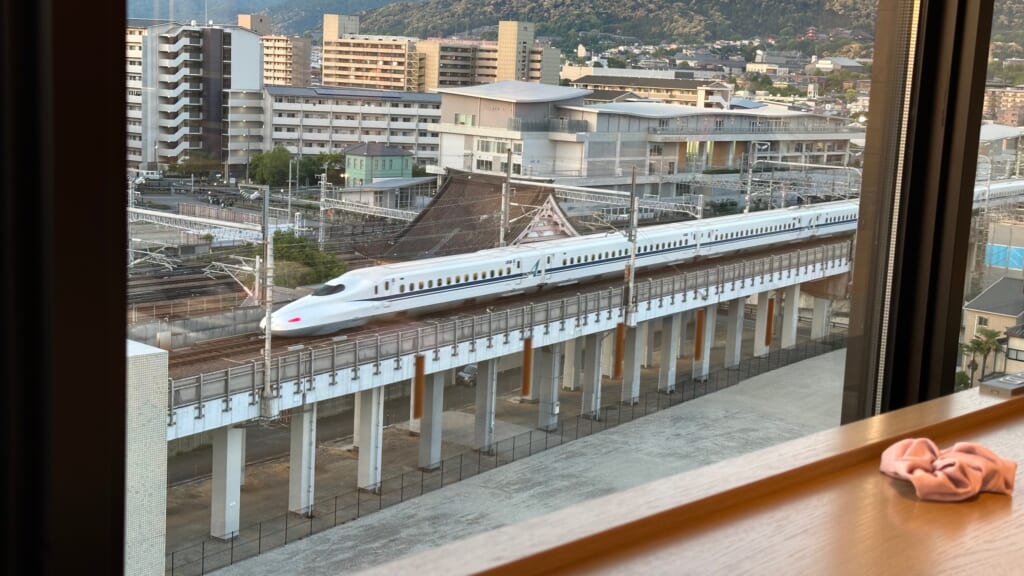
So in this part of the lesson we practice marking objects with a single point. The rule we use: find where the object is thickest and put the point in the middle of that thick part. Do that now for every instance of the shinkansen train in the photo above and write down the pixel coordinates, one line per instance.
(359, 296)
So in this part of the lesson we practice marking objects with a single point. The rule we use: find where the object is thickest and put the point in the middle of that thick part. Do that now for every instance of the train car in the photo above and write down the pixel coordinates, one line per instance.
(419, 286)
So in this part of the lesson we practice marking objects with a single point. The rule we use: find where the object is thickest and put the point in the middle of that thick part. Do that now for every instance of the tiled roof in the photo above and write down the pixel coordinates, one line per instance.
(1005, 297)
(464, 216)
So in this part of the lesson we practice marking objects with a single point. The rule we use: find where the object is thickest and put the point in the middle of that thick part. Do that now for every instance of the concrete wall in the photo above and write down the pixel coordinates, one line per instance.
(181, 333)
(145, 514)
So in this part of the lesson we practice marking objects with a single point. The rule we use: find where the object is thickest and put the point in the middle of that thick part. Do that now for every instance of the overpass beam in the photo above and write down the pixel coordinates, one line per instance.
(486, 388)
(433, 418)
(371, 438)
(302, 460)
(670, 328)
(790, 315)
(225, 506)
(547, 381)
(528, 392)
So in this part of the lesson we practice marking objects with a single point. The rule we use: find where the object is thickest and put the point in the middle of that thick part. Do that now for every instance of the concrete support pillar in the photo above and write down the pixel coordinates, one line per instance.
(703, 339)
(302, 460)
(486, 388)
(430, 425)
(416, 394)
(241, 470)
(763, 324)
(649, 340)
(634, 353)
(573, 364)
(669, 351)
(355, 423)
(548, 372)
(371, 438)
(592, 376)
(528, 389)
(821, 319)
(225, 506)
(790, 315)
(734, 332)
(684, 326)
(608, 354)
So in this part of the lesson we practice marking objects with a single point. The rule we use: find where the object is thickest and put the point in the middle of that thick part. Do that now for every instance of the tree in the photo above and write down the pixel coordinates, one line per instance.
(973, 347)
(270, 167)
(988, 343)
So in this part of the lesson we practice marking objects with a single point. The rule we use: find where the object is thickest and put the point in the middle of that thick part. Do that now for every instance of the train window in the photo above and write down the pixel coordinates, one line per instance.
(430, 283)
(401, 288)
(328, 289)
(564, 262)
(448, 281)
(387, 285)
(475, 276)
(508, 270)
(421, 285)
(458, 278)
(376, 289)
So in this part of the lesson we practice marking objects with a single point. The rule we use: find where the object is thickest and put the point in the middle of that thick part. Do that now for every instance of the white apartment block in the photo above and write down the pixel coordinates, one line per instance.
(553, 134)
(309, 121)
(178, 80)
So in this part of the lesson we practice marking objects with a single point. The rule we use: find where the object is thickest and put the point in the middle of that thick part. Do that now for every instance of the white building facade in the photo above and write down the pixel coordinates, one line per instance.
(310, 121)
(178, 80)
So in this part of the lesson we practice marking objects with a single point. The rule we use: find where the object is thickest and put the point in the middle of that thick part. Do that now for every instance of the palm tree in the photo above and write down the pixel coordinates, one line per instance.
(973, 347)
(988, 342)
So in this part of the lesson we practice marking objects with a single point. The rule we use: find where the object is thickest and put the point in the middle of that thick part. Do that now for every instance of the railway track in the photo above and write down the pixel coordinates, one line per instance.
(230, 351)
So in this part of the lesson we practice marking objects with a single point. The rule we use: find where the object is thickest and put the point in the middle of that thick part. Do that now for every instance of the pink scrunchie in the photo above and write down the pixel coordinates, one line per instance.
(949, 475)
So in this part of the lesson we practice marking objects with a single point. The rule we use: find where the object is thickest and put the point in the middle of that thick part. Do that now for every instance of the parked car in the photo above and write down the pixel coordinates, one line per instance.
(466, 376)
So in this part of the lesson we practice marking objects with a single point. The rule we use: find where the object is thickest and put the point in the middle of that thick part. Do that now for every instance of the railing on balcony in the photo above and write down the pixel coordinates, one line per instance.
(548, 125)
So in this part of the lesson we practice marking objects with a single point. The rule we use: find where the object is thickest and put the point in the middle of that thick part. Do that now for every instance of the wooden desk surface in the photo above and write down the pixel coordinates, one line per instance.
(815, 505)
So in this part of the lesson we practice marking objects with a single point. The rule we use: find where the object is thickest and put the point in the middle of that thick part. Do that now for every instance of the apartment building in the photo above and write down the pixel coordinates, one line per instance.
(699, 93)
(1004, 105)
(286, 59)
(179, 77)
(324, 119)
(552, 133)
(414, 65)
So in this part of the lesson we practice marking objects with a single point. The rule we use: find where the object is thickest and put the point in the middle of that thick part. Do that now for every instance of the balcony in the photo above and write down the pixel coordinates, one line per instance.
(179, 59)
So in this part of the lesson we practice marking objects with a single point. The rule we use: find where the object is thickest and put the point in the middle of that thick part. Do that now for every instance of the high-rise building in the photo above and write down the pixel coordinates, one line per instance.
(179, 80)
(286, 59)
(515, 39)
(414, 65)
(372, 62)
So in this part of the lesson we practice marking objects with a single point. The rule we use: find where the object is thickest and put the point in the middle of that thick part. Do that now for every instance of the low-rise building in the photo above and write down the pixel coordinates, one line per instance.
(313, 120)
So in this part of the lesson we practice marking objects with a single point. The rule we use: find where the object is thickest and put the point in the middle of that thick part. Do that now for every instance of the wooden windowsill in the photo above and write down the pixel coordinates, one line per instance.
(814, 505)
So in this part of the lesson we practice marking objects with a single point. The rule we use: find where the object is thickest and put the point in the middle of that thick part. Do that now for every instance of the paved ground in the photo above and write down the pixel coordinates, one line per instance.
(265, 522)
(764, 410)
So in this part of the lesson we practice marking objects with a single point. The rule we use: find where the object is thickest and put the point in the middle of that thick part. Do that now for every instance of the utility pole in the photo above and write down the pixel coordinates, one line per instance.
(267, 277)
(630, 303)
(505, 190)
(290, 160)
(323, 197)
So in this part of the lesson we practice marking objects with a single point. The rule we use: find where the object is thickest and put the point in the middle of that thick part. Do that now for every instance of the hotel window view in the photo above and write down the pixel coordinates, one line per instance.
(409, 293)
